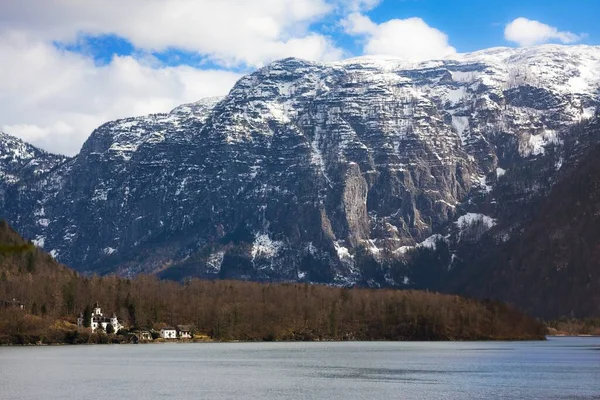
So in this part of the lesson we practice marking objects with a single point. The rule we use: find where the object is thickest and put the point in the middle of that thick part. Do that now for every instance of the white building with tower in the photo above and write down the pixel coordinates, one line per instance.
(98, 319)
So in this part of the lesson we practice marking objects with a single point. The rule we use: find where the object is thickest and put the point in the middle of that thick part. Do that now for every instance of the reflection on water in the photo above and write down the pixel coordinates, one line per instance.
(383, 374)
(561, 368)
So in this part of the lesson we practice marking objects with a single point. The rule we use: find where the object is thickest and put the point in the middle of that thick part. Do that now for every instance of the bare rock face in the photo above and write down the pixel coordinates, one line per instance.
(321, 172)
(354, 204)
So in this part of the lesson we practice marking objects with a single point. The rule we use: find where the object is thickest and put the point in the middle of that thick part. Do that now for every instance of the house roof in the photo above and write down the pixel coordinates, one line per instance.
(184, 328)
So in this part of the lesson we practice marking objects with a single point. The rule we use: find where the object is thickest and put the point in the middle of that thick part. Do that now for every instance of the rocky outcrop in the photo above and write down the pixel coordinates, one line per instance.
(317, 172)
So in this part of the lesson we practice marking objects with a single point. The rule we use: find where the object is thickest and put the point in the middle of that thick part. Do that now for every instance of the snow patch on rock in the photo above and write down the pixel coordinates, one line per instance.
(109, 250)
(431, 242)
(471, 218)
(484, 185)
(215, 261)
(265, 247)
(536, 145)
(460, 124)
(342, 252)
(39, 241)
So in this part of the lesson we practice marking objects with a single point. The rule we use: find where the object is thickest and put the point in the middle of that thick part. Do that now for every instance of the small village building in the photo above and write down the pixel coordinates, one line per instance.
(184, 332)
(145, 335)
(98, 320)
(168, 333)
(142, 334)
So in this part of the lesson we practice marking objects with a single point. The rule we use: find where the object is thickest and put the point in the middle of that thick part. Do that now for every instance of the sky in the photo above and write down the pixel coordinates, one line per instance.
(67, 66)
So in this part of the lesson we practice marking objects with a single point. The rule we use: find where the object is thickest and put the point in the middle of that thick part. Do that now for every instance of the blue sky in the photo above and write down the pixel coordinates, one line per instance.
(68, 66)
(476, 24)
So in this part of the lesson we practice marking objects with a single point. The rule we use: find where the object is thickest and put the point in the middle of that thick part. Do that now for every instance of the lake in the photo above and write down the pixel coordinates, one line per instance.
(560, 368)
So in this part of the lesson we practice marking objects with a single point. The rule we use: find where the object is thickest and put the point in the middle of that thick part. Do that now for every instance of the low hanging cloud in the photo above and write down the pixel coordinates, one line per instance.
(527, 32)
(228, 32)
(54, 99)
(409, 38)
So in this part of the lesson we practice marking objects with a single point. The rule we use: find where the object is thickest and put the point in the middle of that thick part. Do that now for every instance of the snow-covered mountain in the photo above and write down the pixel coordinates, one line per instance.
(325, 172)
(19, 160)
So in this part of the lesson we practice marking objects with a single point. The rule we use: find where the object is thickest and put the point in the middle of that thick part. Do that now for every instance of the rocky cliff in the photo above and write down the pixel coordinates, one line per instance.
(545, 256)
(343, 172)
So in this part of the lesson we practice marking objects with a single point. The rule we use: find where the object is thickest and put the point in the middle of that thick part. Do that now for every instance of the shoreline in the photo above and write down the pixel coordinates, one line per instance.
(183, 342)
(572, 335)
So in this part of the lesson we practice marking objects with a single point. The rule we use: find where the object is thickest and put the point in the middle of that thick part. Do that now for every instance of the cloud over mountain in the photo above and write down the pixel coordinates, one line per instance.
(409, 38)
(527, 32)
(56, 98)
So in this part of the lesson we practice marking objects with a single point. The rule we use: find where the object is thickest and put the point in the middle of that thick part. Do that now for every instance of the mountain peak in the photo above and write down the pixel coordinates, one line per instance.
(19, 159)
(198, 109)
(123, 137)
(15, 150)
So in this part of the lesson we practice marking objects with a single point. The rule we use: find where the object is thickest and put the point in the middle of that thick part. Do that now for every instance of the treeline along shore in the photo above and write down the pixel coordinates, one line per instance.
(41, 299)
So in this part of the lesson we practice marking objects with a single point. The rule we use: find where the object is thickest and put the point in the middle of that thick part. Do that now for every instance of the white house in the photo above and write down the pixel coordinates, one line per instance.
(168, 333)
(184, 332)
(98, 319)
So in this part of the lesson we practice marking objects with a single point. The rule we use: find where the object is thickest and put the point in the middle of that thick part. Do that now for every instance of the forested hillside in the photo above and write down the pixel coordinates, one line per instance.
(52, 295)
(551, 265)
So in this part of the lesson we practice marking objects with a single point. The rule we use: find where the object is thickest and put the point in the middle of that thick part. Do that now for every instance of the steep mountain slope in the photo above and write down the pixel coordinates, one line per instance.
(549, 265)
(333, 172)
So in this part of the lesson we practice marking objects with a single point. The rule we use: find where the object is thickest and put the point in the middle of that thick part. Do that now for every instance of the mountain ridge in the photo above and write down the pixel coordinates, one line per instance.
(320, 172)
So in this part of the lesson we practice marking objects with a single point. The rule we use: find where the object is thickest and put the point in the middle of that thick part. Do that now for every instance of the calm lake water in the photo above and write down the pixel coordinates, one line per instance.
(561, 368)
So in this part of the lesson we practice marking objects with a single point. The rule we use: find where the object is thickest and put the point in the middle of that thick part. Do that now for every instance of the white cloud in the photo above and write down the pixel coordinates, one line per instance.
(55, 99)
(231, 32)
(409, 38)
(358, 24)
(527, 32)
